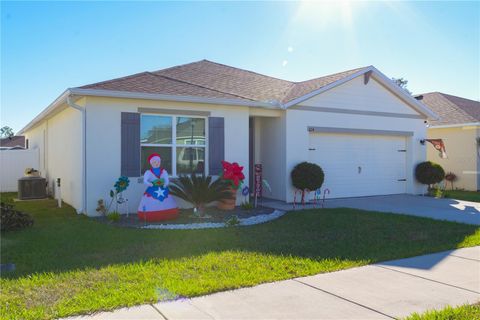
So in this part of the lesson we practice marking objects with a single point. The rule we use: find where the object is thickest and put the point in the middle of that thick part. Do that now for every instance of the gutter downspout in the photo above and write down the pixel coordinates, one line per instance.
(83, 110)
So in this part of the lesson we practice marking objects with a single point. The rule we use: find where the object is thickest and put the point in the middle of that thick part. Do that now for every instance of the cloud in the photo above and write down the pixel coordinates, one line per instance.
(290, 49)
(284, 63)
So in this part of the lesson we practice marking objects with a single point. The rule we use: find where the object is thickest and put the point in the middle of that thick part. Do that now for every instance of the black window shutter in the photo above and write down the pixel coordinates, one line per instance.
(130, 145)
(216, 144)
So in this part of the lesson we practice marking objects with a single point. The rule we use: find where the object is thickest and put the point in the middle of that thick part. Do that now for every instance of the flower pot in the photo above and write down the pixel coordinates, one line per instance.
(228, 204)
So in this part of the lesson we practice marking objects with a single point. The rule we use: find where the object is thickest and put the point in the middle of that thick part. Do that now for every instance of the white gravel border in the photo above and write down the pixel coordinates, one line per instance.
(261, 218)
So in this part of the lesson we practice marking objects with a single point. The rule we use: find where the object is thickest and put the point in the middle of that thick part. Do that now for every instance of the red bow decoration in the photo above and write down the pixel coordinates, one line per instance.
(233, 172)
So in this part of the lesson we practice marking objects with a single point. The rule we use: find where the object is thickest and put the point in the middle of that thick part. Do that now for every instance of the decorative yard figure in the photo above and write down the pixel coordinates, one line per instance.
(156, 204)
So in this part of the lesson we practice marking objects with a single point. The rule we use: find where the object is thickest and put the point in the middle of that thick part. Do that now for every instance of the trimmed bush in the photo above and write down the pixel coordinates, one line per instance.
(307, 175)
(11, 219)
(429, 173)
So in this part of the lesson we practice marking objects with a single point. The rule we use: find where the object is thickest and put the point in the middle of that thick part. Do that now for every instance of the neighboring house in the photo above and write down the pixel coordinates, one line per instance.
(12, 143)
(358, 125)
(459, 127)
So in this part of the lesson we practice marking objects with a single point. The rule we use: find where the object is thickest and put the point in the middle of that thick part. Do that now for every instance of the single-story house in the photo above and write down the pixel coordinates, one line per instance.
(359, 126)
(459, 127)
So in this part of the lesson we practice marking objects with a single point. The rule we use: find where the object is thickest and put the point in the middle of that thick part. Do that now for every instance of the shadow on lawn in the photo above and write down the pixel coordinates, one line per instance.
(61, 240)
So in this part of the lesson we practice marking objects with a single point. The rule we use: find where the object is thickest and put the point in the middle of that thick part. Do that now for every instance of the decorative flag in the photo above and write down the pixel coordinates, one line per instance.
(439, 146)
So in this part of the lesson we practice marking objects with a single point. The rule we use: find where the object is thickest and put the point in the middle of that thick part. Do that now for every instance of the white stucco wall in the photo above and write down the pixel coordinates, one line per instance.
(272, 154)
(36, 140)
(103, 142)
(297, 122)
(59, 140)
(462, 151)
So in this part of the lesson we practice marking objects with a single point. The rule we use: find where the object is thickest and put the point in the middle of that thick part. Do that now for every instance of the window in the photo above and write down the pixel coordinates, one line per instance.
(180, 141)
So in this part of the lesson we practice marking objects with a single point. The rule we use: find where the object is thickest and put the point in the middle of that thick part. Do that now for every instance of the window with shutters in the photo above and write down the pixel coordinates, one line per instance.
(180, 140)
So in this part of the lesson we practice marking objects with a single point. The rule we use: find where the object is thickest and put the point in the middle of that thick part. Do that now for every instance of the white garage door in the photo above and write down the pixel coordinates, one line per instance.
(360, 165)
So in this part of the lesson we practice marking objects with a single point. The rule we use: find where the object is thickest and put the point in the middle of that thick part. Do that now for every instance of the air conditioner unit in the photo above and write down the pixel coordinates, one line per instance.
(32, 188)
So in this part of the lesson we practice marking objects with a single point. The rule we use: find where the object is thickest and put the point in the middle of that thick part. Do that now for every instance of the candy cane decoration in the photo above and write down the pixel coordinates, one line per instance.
(295, 197)
(305, 192)
(326, 191)
(316, 198)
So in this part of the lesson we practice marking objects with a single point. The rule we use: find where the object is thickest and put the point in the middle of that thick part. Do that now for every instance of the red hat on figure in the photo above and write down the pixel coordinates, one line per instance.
(154, 156)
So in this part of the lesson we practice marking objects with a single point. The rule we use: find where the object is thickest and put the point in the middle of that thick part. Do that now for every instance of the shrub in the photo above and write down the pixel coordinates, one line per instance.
(307, 175)
(11, 219)
(436, 192)
(232, 221)
(101, 207)
(246, 206)
(113, 216)
(429, 173)
(451, 177)
(200, 190)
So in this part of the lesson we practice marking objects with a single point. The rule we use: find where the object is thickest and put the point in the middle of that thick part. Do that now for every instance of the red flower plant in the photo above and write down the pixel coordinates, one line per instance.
(233, 173)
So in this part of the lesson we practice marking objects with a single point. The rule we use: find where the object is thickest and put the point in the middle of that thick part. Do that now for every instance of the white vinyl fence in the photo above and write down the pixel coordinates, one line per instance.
(12, 166)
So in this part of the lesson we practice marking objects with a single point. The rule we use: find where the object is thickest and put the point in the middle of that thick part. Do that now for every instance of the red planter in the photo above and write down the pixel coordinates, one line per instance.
(228, 204)
(154, 216)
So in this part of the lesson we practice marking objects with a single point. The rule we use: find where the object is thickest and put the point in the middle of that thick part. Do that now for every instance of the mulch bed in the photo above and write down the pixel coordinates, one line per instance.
(186, 216)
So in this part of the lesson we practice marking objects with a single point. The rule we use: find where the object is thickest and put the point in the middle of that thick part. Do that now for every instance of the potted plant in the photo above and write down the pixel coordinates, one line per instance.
(233, 175)
(199, 190)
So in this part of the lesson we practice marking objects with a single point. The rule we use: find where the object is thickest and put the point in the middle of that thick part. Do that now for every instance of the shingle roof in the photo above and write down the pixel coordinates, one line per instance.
(214, 80)
(451, 109)
(13, 141)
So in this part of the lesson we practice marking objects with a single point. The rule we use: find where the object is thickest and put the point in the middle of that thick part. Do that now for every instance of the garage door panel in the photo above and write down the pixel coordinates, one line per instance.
(360, 165)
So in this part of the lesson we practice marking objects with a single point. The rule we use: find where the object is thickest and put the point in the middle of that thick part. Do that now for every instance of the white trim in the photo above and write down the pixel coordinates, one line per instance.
(470, 124)
(139, 95)
(174, 144)
(51, 107)
(326, 88)
(168, 97)
(360, 112)
(360, 131)
(414, 103)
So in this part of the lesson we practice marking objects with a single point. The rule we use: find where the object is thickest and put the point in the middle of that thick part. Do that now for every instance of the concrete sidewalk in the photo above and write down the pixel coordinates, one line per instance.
(388, 290)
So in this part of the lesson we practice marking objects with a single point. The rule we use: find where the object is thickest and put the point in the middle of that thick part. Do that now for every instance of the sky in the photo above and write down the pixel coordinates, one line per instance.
(47, 47)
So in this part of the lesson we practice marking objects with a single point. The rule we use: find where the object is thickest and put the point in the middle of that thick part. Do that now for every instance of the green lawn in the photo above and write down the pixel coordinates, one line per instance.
(463, 195)
(465, 312)
(69, 264)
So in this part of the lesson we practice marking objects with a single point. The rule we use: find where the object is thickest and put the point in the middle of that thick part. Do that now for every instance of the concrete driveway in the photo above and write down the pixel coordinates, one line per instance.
(441, 209)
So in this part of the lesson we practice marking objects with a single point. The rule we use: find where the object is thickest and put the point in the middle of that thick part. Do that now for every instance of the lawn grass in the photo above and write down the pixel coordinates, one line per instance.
(465, 312)
(69, 264)
(463, 195)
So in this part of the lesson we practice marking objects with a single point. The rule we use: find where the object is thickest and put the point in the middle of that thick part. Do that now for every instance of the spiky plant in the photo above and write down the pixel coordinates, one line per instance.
(200, 190)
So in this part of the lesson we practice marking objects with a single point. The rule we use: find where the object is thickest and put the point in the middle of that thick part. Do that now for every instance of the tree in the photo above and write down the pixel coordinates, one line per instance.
(6, 132)
(402, 83)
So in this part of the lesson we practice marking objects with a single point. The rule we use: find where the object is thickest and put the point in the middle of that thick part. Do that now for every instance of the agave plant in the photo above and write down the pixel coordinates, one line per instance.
(199, 190)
